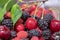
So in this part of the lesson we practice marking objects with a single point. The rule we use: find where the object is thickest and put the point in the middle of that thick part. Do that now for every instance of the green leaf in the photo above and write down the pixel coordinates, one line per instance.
(3, 11)
(16, 13)
(10, 4)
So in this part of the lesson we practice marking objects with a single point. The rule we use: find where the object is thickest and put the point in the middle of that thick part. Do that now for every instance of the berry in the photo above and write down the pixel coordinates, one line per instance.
(34, 38)
(4, 32)
(32, 8)
(22, 34)
(34, 32)
(16, 38)
(55, 25)
(56, 36)
(41, 38)
(19, 27)
(46, 34)
(8, 23)
(7, 15)
(25, 15)
(13, 34)
(24, 39)
(31, 23)
(48, 17)
(42, 24)
(19, 21)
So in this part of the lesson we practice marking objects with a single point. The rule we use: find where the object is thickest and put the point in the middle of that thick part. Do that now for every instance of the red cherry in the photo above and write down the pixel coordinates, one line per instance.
(39, 12)
(19, 27)
(20, 21)
(4, 32)
(32, 8)
(55, 25)
(31, 23)
(34, 38)
(7, 15)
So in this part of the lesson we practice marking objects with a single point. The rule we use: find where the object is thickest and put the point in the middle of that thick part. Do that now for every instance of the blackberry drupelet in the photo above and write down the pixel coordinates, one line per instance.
(48, 17)
(13, 34)
(42, 24)
(24, 39)
(46, 34)
(7, 22)
(34, 32)
(25, 15)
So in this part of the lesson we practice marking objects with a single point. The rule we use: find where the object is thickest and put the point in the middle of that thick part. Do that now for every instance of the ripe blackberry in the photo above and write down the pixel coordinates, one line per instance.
(34, 32)
(24, 39)
(42, 24)
(46, 34)
(7, 22)
(13, 34)
(56, 36)
(48, 17)
(25, 15)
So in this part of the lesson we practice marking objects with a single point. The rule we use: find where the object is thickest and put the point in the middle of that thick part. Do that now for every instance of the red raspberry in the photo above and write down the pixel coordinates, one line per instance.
(22, 34)
(34, 38)
(41, 38)
(16, 38)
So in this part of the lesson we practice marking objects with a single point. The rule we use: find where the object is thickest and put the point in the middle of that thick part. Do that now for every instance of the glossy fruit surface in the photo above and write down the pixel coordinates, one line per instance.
(19, 27)
(31, 23)
(55, 25)
(4, 32)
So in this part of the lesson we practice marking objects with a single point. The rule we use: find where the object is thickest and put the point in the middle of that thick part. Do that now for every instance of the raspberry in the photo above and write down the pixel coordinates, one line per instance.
(22, 34)
(46, 34)
(34, 32)
(8, 23)
(24, 39)
(16, 38)
(34, 38)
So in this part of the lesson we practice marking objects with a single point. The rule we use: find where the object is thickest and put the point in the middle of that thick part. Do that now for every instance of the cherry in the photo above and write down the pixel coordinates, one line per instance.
(31, 23)
(55, 25)
(19, 27)
(7, 15)
(32, 8)
(4, 32)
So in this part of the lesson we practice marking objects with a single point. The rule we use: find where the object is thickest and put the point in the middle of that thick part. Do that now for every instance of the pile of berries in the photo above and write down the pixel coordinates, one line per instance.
(30, 26)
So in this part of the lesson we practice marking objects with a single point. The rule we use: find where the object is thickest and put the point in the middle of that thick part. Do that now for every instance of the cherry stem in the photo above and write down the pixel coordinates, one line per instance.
(42, 12)
(36, 10)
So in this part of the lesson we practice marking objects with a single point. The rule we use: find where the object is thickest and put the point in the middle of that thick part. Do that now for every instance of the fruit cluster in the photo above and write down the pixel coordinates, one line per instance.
(30, 26)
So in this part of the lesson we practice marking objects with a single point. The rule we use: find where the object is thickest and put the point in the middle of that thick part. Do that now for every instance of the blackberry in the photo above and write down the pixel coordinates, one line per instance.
(34, 32)
(48, 17)
(46, 34)
(25, 15)
(13, 34)
(24, 39)
(7, 22)
(42, 24)
(56, 36)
